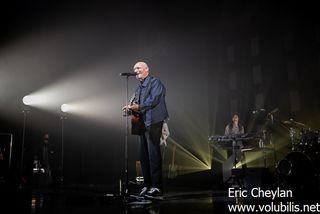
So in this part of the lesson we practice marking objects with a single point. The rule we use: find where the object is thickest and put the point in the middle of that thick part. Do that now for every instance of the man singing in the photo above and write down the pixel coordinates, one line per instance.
(149, 101)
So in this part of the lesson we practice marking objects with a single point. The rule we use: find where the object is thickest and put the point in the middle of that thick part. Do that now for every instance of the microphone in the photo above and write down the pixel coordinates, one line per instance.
(128, 74)
(258, 111)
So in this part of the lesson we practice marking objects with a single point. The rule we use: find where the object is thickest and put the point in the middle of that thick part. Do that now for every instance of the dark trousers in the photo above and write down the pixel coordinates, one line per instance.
(150, 156)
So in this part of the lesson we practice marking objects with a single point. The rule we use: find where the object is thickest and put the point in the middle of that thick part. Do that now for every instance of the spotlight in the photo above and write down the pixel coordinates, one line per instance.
(34, 100)
(65, 107)
(27, 100)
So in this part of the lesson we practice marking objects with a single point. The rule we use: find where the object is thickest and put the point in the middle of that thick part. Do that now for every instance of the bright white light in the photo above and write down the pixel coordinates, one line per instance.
(26, 100)
(65, 107)
(34, 100)
(31, 100)
(102, 109)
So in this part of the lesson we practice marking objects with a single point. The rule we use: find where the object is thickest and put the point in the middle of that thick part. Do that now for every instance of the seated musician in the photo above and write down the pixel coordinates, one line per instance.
(236, 128)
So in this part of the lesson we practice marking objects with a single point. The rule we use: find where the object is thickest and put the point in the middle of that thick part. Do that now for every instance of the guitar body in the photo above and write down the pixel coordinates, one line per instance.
(137, 124)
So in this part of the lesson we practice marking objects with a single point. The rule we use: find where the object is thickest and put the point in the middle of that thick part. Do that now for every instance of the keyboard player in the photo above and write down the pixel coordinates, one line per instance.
(236, 128)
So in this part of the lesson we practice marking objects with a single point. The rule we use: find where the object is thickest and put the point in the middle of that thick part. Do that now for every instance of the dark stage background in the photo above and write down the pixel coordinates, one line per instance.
(215, 60)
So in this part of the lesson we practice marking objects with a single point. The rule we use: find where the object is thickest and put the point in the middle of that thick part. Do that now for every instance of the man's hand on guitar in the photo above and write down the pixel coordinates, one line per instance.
(133, 107)
(126, 108)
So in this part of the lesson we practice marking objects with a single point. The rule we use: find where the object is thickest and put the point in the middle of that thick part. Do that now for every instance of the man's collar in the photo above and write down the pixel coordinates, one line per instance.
(145, 81)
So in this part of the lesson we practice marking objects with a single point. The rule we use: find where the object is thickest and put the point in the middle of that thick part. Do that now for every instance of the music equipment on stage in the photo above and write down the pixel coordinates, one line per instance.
(295, 124)
(5, 155)
(235, 144)
(300, 167)
(296, 130)
(309, 139)
(299, 163)
(44, 170)
(238, 144)
(229, 142)
(301, 136)
(139, 175)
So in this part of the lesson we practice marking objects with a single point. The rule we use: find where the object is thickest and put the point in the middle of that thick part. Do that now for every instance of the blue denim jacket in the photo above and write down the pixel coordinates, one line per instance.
(150, 95)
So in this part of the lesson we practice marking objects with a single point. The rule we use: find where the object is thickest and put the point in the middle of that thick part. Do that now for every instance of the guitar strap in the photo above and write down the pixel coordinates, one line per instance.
(132, 98)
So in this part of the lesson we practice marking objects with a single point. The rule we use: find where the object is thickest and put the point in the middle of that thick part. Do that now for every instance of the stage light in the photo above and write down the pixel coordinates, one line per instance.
(35, 100)
(188, 162)
(65, 107)
(94, 95)
(27, 100)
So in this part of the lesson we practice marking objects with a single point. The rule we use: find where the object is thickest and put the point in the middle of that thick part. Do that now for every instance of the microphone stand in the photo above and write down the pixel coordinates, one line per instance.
(25, 111)
(3, 151)
(126, 185)
(274, 143)
(63, 117)
(124, 192)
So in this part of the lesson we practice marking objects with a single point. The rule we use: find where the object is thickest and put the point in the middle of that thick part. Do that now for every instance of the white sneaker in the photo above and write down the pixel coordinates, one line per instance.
(154, 193)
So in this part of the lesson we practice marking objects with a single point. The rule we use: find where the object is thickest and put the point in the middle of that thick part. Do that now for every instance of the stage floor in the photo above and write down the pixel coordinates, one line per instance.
(83, 199)
(194, 193)
(89, 199)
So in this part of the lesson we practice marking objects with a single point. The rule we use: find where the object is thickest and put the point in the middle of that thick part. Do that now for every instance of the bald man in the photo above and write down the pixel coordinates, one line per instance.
(149, 101)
